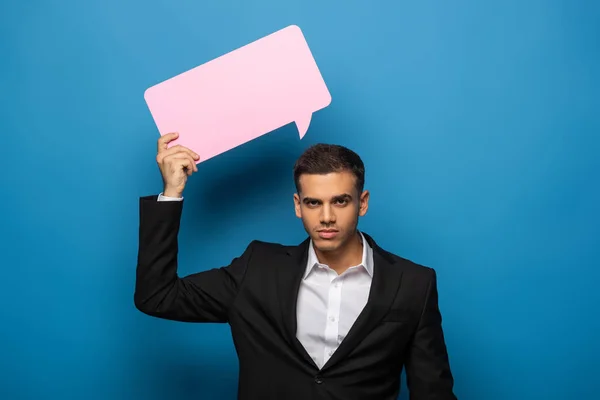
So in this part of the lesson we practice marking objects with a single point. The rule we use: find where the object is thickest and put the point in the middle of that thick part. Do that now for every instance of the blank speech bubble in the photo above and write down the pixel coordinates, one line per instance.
(241, 95)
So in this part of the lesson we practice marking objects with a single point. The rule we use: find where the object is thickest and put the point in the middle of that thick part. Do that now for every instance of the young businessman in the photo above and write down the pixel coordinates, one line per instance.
(335, 317)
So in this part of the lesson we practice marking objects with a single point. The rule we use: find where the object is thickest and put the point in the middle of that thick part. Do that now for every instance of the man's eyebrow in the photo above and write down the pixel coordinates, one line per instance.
(344, 196)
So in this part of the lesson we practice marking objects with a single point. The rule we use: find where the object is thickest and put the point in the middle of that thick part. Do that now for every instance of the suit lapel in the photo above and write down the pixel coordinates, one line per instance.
(289, 277)
(384, 286)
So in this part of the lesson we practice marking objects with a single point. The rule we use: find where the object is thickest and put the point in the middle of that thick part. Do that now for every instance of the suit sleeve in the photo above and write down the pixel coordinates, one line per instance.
(159, 291)
(428, 372)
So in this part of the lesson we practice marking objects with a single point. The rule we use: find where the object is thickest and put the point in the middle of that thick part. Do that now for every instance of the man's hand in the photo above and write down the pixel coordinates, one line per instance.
(175, 164)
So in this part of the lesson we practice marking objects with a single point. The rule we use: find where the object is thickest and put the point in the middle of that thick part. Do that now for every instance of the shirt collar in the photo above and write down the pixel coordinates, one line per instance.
(366, 262)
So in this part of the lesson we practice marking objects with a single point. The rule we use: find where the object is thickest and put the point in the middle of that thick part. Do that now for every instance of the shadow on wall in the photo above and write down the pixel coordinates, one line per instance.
(250, 173)
(250, 180)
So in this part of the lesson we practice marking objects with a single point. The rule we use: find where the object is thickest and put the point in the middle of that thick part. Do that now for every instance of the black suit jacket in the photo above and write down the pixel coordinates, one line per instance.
(256, 294)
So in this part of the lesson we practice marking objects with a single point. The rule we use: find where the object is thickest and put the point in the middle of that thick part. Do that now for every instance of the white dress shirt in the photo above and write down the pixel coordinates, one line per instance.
(328, 304)
(167, 198)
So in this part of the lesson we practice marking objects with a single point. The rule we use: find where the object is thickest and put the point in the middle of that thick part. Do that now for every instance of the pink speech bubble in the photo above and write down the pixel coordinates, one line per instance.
(241, 95)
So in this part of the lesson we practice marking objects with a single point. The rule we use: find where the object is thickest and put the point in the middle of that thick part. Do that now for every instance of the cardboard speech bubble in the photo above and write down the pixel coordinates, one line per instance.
(241, 95)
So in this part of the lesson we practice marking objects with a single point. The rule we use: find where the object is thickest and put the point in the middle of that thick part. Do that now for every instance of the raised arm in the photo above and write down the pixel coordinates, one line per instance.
(159, 291)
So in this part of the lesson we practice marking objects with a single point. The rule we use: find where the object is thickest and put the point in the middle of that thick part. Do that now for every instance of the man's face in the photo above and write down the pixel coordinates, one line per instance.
(329, 206)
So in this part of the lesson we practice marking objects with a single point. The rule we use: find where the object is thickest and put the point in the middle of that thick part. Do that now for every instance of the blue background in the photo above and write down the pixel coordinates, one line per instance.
(479, 125)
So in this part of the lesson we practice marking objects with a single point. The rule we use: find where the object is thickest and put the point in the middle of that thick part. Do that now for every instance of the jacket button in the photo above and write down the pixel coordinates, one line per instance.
(318, 380)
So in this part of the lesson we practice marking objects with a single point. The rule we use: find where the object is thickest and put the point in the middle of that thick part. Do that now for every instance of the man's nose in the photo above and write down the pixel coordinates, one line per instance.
(327, 215)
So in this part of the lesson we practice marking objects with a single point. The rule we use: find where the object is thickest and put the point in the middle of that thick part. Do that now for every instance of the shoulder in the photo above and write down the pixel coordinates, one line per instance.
(264, 250)
(418, 282)
(420, 271)
(267, 247)
(414, 273)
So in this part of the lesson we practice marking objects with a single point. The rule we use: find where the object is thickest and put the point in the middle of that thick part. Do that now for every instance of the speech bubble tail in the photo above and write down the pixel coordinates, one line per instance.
(303, 124)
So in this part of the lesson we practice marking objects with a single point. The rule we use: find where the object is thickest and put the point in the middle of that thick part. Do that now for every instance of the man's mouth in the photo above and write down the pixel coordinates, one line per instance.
(327, 233)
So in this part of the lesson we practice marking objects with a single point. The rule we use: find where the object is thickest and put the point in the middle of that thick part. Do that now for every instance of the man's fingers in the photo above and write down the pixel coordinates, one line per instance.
(176, 150)
(182, 159)
(186, 164)
(189, 165)
(164, 140)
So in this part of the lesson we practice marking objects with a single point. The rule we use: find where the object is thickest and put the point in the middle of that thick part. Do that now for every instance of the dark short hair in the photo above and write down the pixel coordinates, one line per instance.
(324, 158)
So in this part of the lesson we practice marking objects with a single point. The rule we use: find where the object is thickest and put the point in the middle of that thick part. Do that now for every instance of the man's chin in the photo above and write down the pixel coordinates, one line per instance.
(326, 245)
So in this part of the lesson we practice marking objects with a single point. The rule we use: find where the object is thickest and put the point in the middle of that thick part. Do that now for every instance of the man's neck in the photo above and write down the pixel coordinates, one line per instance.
(345, 257)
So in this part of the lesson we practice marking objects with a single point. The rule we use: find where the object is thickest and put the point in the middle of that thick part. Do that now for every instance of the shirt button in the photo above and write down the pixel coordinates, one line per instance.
(318, 380)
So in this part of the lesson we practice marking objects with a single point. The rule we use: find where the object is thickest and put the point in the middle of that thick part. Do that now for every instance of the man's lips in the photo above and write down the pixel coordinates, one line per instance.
(327, 233)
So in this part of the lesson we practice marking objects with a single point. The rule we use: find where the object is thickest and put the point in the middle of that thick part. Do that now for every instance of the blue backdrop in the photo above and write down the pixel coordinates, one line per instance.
(478, 122)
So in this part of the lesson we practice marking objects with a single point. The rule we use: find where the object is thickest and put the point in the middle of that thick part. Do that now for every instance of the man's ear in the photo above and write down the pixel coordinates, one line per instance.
(363, 205)
(297, 205)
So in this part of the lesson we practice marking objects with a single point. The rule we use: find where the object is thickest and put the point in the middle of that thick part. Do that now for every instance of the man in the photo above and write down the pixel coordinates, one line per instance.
(336, 317)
